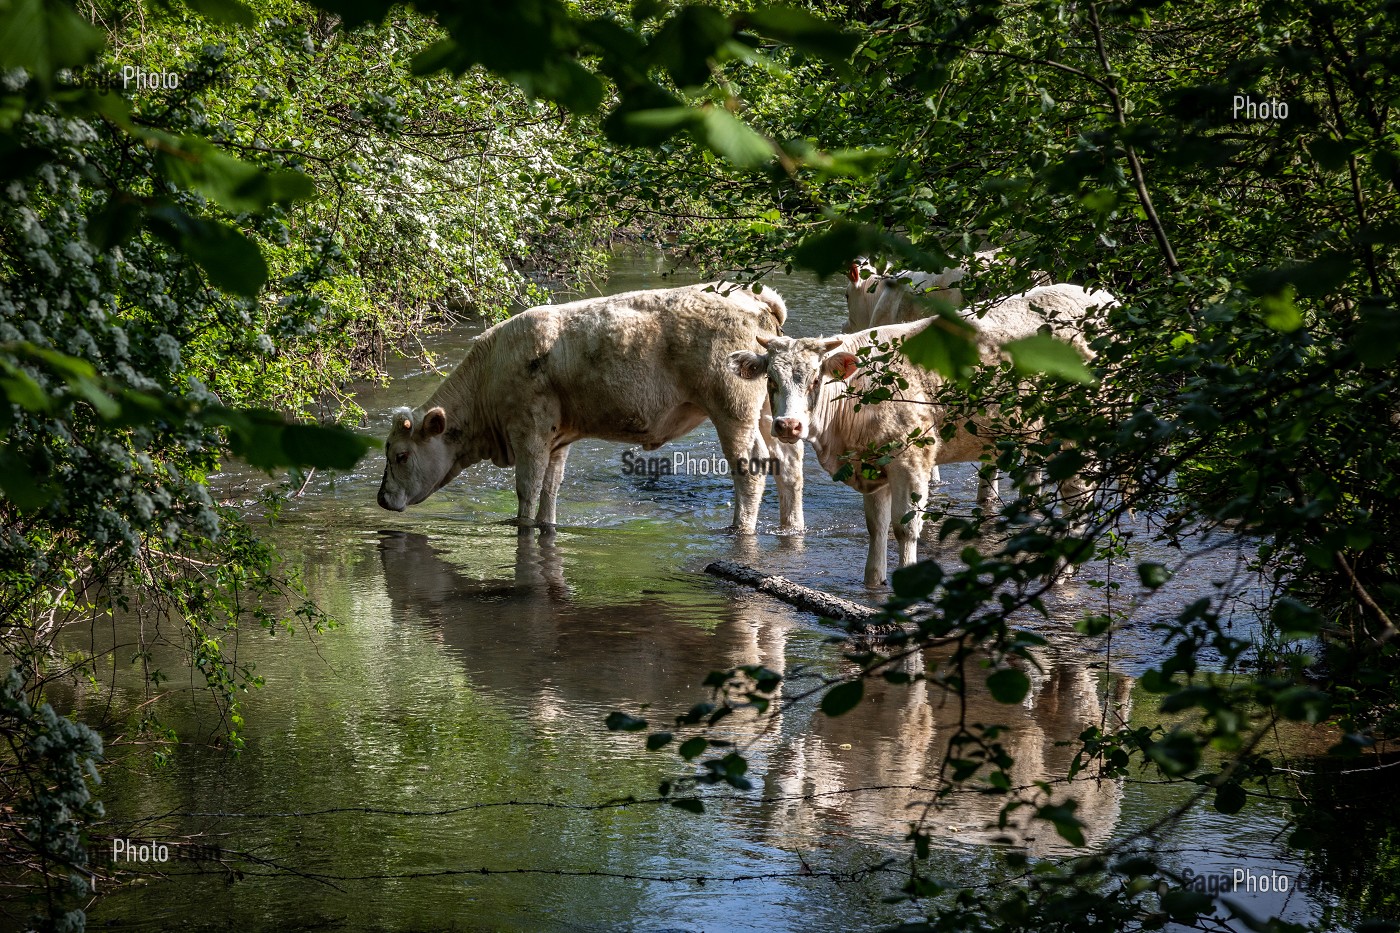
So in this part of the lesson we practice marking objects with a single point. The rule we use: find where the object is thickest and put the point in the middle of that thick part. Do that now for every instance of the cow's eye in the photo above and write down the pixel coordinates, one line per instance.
(401, 457)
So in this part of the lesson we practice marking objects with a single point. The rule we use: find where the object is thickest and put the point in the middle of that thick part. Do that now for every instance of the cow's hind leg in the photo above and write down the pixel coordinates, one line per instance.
(908, 483)
(553, 476)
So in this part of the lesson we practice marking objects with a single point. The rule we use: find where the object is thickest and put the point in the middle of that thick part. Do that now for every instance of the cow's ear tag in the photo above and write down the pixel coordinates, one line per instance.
(841, 365)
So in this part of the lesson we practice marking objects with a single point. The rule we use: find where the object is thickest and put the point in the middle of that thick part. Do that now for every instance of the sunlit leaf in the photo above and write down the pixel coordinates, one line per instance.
(730, 137)
(1042, 353)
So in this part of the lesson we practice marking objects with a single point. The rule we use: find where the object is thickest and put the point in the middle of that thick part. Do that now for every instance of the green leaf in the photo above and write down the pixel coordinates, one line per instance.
(43, 37)
(1066, 464)
(1176, 753)
(239, 186)
(1184, 905)
(223, 11)
(20, 484)
(1069, 826)
(20, 388)
(832, 249)
(1377, 342)
(1320, 276)
(1042, 353)
(734, 140)
(1295, 619)
(652, 126)
(946, 346)
(563, 81)
(619, 721)
(114, 223)
(688, 804)
(1093, 624)
(1135, 866)
(802, 30)
(693, 748)
(324, 447)
(1305, 704)
(1009, 685)
(1153, 574)
(1280, 312)
(843, 697)
(231, 260)
(1230, 797)
(658, 740)
(687, 43)
(916, 581)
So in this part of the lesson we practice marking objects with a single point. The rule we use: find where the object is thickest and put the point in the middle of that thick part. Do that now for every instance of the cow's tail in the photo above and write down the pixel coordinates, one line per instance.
(777, 310)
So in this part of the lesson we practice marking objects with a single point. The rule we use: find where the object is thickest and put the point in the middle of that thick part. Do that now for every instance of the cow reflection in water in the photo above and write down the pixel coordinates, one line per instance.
(560, 650)
(563, 646)
(896, 740)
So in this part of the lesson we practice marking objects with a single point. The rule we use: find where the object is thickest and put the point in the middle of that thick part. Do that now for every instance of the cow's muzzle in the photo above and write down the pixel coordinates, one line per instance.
(787, 429)
(384, 502)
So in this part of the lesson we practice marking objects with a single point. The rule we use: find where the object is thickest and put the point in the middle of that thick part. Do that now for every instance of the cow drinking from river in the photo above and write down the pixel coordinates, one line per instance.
(641, 368)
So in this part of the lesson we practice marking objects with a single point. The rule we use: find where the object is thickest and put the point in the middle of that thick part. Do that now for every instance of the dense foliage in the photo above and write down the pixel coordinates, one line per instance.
(153, 283)
(220, 239)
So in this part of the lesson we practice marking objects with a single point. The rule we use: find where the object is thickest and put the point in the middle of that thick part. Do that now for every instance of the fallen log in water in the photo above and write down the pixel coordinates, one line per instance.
(795, 594)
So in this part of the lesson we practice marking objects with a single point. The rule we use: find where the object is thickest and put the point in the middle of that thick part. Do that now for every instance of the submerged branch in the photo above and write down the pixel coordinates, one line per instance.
(795, 594)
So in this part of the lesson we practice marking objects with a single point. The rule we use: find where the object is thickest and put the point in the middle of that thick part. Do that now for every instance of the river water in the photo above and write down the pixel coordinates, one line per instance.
(453, 722)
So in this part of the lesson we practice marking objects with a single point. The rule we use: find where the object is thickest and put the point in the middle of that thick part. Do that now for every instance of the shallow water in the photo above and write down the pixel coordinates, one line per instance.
(472, 672)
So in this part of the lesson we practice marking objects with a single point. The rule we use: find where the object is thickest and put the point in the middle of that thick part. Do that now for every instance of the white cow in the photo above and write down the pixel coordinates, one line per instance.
(875, 298)
(807, 381)
(641, 368)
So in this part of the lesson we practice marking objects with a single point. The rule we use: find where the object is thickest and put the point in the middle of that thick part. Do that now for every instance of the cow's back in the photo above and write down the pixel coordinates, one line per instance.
(638, 367)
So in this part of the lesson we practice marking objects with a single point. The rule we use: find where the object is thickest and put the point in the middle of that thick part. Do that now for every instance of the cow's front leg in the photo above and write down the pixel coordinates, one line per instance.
(877, 526)
(786, 461)
(988, 495)
(531, 463)
(739, 440)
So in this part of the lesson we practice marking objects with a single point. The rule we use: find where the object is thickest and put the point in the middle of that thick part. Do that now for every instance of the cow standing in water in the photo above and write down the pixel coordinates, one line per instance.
(806, 380)
(641, 368)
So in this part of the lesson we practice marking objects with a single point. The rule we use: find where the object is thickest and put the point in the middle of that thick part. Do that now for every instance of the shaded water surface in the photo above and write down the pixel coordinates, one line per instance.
(453, 723)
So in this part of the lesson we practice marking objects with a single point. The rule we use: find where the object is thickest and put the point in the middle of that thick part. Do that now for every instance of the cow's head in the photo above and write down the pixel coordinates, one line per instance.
(863, 286)
(419, 459)
(796, 370)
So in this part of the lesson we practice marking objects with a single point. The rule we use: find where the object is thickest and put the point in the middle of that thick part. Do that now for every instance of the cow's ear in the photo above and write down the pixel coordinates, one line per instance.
(841, 365)
(747, 365)
(434, 422)
(853, 273)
